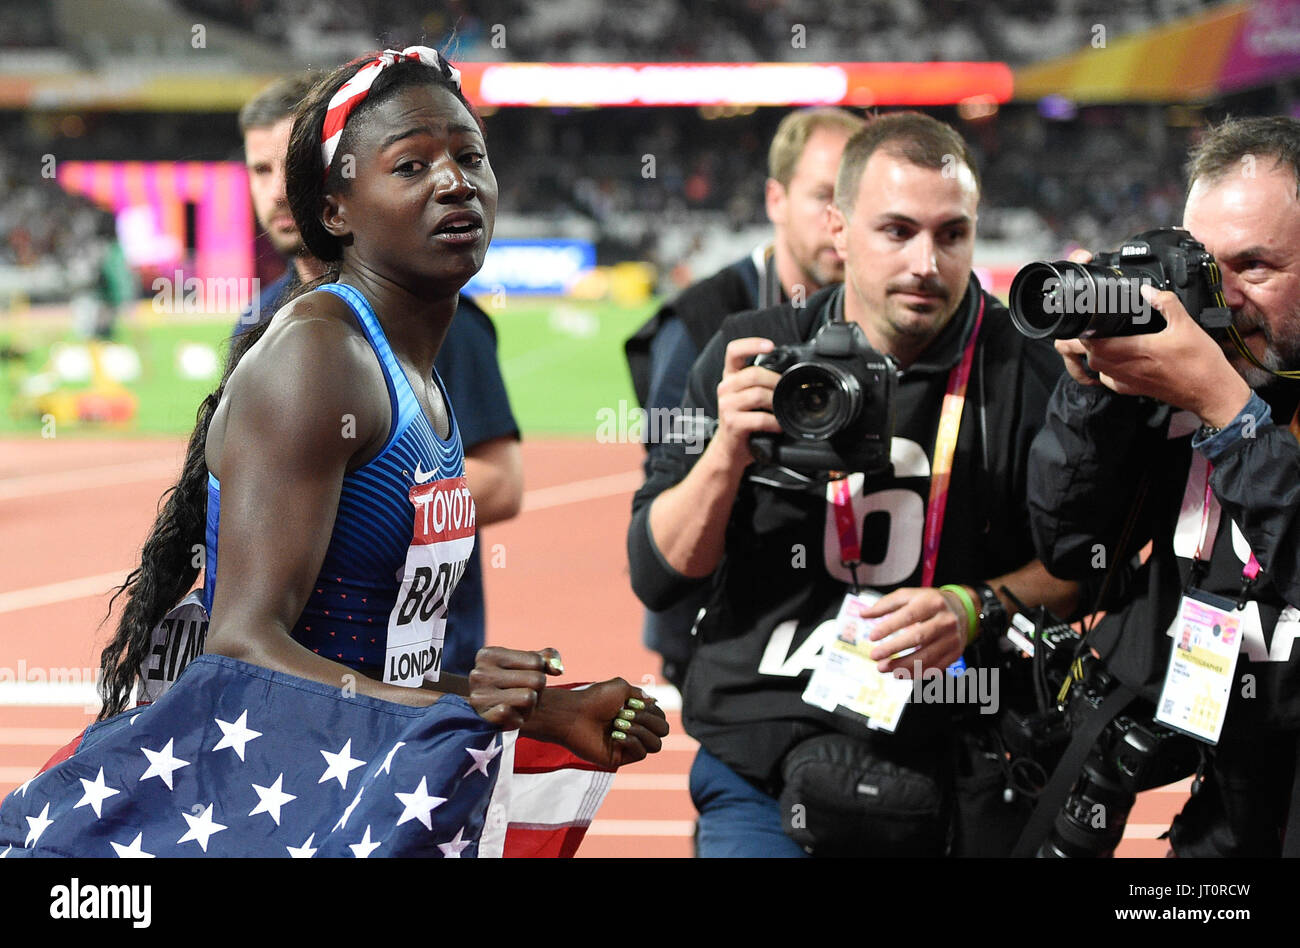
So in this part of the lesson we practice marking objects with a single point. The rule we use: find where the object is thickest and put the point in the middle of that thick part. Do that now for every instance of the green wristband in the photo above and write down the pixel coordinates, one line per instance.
(972, 614)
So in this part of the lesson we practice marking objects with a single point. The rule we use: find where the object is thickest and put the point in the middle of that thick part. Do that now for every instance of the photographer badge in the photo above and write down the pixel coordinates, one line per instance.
(847, 679)
(1207, 640)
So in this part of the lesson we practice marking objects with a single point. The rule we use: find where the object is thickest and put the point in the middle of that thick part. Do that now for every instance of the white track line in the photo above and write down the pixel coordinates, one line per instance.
(666, 696)
(54, 693)
(36, 736)
(63, 694)
(593, 488)
(95, 586)
(624, 781)
(641, 828)
(18, 775)
(1145, 830)
(35, 485)
(83, 588)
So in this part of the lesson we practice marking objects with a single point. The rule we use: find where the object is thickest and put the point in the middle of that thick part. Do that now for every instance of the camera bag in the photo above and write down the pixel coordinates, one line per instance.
(845, 796)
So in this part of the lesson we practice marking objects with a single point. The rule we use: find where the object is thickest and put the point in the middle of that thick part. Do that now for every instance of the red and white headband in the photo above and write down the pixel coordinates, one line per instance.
(353, 92)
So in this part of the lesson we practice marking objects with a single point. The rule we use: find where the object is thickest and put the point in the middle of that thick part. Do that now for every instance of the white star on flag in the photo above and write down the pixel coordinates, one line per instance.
(363, 849)
(162, 763)
(482, 757)
(270, 799)
(305, 851)
(95, 793)
(340, 765)
(388, 761)
(133, 851)
(22, 790)
(343, 820)
(202, 827)
(418, 805)
(452, 848)
(38, 826)
(236, 734)
(6, 852)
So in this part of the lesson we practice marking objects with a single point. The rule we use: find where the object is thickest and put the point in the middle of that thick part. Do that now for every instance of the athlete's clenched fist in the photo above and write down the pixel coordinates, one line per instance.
(505, 683)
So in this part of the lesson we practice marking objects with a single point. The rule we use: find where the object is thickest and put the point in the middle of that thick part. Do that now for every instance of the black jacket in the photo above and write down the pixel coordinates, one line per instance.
(780, 578)
(701, 307)
(1086, 469)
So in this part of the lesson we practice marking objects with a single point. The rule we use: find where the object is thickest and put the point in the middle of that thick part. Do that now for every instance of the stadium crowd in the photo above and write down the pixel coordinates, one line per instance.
(1124, 172)
(1014, 31)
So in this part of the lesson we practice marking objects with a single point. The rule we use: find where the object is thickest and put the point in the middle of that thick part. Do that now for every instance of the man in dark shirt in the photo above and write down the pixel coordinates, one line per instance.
(799, 261)
(265, 121)
(770, 547)
(1195, 446)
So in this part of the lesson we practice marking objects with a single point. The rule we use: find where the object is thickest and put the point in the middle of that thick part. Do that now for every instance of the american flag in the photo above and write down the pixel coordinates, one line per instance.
(238, 760)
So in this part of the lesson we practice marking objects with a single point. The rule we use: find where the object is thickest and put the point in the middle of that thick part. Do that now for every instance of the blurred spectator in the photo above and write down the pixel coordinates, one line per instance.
(1015, 31)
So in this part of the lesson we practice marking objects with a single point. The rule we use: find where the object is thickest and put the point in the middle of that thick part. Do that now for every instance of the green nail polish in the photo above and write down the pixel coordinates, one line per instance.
(555, 665)
(618, 735)
(626, 715)
(636, 703)
(623, 725)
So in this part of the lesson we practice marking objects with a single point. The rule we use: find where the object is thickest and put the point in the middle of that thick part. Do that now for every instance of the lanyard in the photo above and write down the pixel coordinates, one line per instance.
(1249, 573)
(945, 445)
(1205, 539)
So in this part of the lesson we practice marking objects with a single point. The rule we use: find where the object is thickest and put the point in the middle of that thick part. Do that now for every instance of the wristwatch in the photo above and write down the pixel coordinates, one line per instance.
(993, 619)
(1205, 432)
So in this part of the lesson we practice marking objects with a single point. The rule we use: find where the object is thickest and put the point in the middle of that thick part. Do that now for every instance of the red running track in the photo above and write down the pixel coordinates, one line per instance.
(73, 513)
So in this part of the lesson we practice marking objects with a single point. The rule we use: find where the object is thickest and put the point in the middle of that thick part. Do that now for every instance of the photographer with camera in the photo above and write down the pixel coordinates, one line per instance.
(797, 262)
(779, 543)
(1187, 438)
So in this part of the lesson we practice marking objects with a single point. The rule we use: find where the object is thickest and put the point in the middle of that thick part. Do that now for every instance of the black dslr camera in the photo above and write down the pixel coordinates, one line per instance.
(1064, 300)
(834, 402)
(1133, 753)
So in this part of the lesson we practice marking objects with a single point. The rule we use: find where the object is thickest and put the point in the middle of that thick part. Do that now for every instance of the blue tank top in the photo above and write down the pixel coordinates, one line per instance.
(402, 536)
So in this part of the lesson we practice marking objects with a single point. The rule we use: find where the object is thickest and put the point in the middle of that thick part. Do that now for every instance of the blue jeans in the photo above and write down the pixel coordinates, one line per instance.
(737, 820)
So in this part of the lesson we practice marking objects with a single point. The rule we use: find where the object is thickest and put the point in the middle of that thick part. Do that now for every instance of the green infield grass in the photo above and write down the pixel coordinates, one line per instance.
(562, 361)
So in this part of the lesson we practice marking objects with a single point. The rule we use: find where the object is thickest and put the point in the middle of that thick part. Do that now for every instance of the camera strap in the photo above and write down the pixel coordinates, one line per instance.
(770, 292)
(1058, 788)
(945, 446)
(1239, 344)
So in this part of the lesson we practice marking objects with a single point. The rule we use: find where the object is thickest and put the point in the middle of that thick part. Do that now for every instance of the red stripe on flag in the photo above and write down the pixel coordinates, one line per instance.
(528, 842)
(63, 753)
(533, 757)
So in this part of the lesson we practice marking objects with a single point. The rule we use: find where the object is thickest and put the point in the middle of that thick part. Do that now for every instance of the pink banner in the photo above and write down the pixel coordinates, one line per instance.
(1266, 48)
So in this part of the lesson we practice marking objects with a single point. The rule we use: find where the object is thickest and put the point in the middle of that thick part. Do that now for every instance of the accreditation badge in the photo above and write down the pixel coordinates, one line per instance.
(846, 679)
(1202, 665)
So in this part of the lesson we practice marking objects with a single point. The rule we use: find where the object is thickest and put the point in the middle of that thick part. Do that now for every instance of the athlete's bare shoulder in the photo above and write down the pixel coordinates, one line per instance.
(312, 376)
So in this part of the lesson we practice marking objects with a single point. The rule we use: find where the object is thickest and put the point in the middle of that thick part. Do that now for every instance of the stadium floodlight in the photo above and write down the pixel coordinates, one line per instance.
(699, 84)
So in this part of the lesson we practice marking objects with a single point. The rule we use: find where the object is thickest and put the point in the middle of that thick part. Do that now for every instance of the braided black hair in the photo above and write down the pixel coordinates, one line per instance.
(168, 561)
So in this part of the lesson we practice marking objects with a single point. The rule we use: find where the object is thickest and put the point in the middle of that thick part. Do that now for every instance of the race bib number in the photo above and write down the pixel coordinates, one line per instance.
(441, 544)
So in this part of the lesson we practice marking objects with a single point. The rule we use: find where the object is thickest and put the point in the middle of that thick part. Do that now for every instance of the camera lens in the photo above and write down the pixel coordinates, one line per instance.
(815, 401)
(1064, 300)
(1038, 302)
